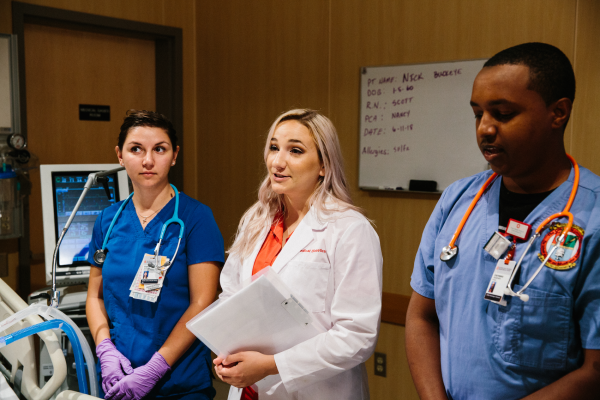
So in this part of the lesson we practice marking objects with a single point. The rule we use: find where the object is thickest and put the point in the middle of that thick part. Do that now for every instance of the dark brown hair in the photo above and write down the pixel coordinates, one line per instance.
(150, 119)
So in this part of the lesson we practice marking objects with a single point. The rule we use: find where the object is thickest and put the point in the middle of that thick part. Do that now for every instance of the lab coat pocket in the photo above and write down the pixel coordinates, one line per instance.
(308, 282)
(534, 333)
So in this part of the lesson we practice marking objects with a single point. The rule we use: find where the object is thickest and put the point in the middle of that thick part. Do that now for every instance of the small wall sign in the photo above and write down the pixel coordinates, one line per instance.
(90, 112)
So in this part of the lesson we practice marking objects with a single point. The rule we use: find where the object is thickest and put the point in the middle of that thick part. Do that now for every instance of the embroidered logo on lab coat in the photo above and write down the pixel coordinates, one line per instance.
(565, 255)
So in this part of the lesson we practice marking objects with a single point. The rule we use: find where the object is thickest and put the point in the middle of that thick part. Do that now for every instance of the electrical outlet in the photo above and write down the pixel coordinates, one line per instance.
(380, 364)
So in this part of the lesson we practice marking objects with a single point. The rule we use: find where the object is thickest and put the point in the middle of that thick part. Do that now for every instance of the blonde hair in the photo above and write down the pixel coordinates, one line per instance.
(331, 193)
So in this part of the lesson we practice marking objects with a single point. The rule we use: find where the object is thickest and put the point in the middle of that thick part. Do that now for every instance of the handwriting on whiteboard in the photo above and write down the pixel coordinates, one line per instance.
(380, 88)
(414, 118)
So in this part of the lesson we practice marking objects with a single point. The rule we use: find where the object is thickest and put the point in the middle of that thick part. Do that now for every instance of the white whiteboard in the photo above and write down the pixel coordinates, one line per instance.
(416, 123)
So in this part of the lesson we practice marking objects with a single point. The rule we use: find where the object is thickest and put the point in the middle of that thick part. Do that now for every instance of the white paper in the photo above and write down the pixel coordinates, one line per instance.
(264, 316)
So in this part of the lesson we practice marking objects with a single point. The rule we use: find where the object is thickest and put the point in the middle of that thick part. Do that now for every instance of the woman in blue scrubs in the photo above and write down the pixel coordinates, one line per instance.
(144, 349)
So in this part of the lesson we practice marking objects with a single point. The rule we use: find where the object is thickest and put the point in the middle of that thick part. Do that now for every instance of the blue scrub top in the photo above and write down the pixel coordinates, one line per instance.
(490, 351)
(139, 328)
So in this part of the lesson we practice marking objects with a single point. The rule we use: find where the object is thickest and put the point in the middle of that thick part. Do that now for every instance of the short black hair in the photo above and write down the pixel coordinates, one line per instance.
(550, 71)
(149, 119)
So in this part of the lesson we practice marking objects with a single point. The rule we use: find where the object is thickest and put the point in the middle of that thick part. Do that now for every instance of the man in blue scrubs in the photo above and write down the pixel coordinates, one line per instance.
(462, 346)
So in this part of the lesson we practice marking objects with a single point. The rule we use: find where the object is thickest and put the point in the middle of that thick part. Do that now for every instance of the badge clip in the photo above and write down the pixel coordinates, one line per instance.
(497, 245)
(518, 229)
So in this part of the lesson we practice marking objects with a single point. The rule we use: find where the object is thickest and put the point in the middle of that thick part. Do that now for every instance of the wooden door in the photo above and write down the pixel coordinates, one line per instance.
(65, 68)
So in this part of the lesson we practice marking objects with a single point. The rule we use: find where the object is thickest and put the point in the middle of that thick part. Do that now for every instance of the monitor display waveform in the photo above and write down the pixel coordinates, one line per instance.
(67, 188)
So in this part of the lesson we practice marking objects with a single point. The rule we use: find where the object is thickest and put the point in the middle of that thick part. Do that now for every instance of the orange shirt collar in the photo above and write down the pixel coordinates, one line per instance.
(277, 227)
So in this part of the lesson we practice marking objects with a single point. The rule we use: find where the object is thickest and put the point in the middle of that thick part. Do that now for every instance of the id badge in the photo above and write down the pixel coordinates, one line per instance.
(147, 291)
(499, 282)
(497, 245)
(149, 274)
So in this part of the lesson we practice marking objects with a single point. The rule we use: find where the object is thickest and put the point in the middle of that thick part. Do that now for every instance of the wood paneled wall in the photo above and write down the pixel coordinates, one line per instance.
(176, 13)
(59, 65)
(247, 61)
(386, 32)
(585, 141)
(257, 59)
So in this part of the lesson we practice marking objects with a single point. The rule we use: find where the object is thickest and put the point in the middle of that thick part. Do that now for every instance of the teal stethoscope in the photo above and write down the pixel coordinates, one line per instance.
(100, 255)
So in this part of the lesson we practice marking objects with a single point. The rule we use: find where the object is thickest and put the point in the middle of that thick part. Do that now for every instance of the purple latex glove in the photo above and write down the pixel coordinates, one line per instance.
(114, 365)
(137, 385)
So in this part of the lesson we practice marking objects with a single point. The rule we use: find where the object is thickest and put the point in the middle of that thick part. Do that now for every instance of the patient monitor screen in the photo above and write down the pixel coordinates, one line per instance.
(66, 189)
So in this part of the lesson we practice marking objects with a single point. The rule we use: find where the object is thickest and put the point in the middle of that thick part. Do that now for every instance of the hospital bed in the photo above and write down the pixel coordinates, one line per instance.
(18, 360)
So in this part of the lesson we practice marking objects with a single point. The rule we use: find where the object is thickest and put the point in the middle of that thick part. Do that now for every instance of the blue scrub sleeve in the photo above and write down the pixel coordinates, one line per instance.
(203, 238)
(587, 303)
(97, 239)
(422, 279)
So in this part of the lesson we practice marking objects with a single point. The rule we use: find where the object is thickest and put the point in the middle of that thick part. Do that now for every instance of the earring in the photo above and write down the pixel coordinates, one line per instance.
(172, 164)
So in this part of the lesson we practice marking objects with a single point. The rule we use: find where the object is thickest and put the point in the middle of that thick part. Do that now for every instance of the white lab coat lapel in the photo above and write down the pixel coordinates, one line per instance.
(301, 237)
(249, 261)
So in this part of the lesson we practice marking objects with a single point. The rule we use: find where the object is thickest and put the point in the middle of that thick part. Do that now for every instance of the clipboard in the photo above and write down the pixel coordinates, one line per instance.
(264, 316)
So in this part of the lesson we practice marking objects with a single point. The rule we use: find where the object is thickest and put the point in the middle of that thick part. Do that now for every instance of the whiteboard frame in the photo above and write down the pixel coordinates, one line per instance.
(360, 99)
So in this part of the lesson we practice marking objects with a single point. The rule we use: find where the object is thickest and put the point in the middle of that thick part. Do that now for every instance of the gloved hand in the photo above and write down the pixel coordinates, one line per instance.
(114, 365)
(141, 382)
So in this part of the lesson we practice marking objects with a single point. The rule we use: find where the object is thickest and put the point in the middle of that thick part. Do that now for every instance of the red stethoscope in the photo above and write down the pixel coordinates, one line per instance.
(448, 252)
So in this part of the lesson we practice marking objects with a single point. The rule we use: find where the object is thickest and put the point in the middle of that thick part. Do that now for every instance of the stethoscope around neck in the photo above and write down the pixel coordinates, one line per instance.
(100, 255)
(448, 252)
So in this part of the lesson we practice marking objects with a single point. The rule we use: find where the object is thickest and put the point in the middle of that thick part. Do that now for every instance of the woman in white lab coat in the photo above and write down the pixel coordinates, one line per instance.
(305, 227)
